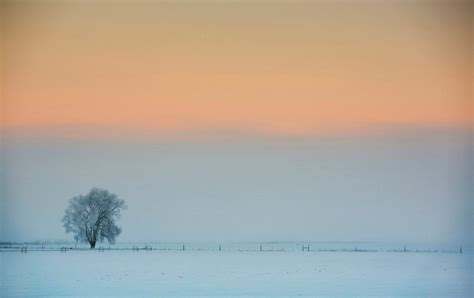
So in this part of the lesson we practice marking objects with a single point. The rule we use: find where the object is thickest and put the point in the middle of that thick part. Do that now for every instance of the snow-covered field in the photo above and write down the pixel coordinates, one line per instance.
(214, 273)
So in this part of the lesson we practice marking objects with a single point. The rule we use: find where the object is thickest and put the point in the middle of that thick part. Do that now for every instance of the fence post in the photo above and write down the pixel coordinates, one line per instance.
(405, 248)
(184, 247)
(261, 248)
(460, 249)
(220, 248)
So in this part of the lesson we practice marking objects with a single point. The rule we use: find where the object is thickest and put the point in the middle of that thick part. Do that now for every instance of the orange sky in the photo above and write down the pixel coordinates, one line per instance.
(248, 66)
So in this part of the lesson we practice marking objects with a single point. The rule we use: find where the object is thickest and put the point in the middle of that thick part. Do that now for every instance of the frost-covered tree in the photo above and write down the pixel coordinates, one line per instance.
(92, 217)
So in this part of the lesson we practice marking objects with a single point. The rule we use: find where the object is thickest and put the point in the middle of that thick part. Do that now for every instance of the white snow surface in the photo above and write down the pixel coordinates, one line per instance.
(235, 273)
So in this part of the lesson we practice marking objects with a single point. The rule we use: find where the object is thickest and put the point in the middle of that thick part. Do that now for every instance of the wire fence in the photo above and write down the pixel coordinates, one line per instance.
(367, 247)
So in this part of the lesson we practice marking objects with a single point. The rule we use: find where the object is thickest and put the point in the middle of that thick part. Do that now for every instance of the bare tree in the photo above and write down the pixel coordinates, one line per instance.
(92, 217)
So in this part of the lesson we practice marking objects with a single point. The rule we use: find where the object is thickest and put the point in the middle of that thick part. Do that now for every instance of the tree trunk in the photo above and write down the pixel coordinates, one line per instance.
(92, 243)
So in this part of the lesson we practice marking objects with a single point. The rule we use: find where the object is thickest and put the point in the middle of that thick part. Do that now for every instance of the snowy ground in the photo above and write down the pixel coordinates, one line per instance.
(214, 273)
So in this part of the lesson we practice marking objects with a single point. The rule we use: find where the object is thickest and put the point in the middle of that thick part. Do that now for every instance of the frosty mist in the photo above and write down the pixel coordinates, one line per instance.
(407, 185)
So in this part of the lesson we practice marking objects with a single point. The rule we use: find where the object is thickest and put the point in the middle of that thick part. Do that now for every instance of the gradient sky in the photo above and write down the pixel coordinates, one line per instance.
(240, 120)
